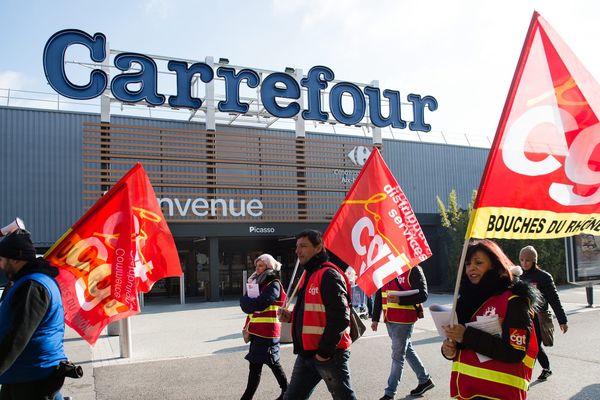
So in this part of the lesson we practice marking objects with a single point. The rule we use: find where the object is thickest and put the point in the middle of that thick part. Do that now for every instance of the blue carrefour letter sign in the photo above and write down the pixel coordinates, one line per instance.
(54, 63)
(280, 93)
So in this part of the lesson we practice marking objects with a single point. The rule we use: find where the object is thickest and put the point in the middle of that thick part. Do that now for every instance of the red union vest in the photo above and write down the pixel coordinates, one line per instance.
(265, 323)
(314, 317)
(394, 312)
(493, 379)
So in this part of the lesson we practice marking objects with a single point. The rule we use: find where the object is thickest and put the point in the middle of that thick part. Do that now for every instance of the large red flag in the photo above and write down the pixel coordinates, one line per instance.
(542, 178)
(120, 246)
(375, 229)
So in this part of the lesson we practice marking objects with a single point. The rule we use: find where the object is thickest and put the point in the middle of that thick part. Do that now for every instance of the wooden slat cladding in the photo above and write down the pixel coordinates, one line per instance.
(203, 176)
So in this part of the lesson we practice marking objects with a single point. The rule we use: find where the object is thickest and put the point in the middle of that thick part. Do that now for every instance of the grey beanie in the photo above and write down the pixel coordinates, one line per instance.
(529, 251)
(18, 246)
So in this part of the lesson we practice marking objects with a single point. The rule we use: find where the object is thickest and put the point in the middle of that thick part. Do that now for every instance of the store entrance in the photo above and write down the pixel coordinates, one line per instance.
(236, 255)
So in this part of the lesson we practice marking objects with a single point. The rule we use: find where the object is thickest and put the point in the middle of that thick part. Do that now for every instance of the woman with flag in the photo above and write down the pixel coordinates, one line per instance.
(493, 346)
(263, 298)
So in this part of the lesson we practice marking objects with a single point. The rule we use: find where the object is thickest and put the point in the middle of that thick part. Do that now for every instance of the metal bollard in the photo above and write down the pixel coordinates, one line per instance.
(589, 294)
(244, 280)
(125, 337)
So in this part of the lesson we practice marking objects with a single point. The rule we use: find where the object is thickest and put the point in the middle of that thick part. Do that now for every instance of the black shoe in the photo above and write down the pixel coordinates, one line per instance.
(422, 388)
(386, 397)
(544, 375)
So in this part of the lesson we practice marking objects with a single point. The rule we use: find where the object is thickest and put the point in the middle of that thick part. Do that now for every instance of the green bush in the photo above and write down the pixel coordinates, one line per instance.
(454, 220)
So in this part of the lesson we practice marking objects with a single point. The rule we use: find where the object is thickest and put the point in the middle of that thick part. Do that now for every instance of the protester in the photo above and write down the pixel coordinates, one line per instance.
(543, 281)
(496, 363)
(31, 323)
(262, 325)
(359, 297)
(320, 322)
(400, 314)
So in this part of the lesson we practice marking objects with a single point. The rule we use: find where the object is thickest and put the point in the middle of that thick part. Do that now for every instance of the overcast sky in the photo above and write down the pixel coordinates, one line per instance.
(463, 53)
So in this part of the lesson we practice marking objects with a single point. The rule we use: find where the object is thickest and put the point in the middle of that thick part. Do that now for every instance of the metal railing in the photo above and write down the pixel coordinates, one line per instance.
(53, 101)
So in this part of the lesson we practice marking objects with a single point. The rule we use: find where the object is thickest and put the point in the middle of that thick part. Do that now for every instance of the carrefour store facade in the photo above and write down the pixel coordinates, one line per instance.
(241, 159)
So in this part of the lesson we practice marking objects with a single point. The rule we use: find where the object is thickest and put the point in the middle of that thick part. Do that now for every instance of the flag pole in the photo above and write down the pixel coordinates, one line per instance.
(293, 275)
(288, 301)
(461, 266)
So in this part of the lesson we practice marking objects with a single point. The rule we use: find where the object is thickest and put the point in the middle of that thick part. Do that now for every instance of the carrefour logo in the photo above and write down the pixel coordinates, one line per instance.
(359, 154)
(281, 93)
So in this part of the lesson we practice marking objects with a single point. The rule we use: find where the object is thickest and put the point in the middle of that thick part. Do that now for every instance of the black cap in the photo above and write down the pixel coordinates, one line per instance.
(18, 246)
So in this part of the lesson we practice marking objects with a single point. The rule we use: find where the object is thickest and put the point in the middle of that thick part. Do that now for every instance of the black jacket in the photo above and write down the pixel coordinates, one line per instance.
(518, 316)
(417, 281)
(31, 302)
(337, 311)
(543, 281)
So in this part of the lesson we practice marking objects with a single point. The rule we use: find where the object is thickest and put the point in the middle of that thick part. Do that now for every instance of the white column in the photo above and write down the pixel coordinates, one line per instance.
(300, 125)
(377, 141)
(209, 100)
(105, 97)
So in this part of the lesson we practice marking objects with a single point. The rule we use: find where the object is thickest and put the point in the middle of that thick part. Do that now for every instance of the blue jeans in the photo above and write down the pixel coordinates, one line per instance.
(308, 372)
(402, 348)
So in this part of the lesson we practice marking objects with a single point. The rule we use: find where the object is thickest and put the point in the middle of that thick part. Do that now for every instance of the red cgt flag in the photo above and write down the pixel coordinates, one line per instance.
(375, 229)
(120, 246)
(542, 178)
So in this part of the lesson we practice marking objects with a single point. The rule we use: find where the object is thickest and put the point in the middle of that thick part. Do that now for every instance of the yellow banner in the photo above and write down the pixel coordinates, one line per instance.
(518, 223)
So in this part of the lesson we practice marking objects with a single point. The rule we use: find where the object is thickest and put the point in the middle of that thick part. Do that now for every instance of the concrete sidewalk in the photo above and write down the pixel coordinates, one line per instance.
(173, 331)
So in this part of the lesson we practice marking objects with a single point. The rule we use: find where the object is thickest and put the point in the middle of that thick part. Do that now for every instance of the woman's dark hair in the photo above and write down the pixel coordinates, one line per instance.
(500, 262)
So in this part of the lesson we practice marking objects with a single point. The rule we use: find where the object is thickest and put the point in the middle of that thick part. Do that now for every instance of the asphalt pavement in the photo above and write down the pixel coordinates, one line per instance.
(195, 351)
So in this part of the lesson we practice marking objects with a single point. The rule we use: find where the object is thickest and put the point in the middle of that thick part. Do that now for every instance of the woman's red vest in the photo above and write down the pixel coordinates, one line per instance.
(314, 317)
(265, 323)
(394, 312)
(491, 378)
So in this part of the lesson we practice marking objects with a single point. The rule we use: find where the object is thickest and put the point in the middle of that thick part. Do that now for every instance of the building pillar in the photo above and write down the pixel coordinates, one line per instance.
(377, 140)
(215, 278)
(299, 121)
(209, 99)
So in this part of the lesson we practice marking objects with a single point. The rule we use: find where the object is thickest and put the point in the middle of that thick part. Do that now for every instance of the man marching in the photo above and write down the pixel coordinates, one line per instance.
(320, 324)
(31, 323)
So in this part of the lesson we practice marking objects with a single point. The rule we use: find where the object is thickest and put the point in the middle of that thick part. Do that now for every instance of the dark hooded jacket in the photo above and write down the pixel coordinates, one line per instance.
(518, 315)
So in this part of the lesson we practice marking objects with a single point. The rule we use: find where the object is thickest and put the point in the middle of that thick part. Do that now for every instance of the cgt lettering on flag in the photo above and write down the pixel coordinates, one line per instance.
(375, 229)
(376, 253)
(119, 247)
(542, 178)
(98, 273)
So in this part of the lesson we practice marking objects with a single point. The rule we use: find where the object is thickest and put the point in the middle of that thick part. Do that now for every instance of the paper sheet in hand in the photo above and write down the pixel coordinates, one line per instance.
(441, 317)
(489, 324)
(402, 293)
(252, 290)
